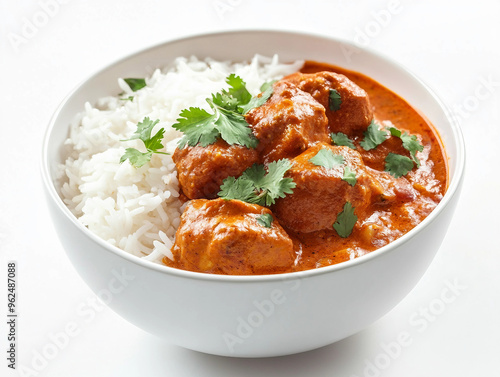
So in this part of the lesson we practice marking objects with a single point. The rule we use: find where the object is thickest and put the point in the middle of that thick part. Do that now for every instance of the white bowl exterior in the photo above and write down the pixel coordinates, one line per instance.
(258, 315)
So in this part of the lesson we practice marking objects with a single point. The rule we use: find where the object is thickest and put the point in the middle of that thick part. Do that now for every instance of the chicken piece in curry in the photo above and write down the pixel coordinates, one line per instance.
(355, 112)
(228, 239)
(320, 193)
(288, 123)
(202, 169)
(342, 166)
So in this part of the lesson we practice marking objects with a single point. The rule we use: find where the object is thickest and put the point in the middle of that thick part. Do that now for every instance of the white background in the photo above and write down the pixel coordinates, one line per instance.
(452, 45)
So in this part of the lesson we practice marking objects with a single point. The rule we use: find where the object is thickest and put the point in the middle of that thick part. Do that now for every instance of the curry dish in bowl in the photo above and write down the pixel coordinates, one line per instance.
(354, 168)
(320, 193)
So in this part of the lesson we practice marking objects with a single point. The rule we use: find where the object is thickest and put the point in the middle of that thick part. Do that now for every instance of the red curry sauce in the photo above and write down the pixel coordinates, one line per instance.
(414, 195)
(389, 222)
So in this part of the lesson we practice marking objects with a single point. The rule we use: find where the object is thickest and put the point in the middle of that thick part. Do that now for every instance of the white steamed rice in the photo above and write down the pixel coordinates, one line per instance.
(138, 210)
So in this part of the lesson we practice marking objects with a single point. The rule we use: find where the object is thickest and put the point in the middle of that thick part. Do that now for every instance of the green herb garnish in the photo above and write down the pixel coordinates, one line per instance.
(265, 220)
(327, 159)
(258, 101)
(153, 144)
(334, 100)
(237, 89)
(342, 140)
(268, 84)
(373, 137)
(410, 143)
(349, 176)
(226, 121)
(345, 221)
(135, 84)
(258, 187)
(398, 165)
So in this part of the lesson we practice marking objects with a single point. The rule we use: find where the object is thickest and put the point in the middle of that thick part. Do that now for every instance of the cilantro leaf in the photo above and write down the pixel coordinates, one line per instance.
(255, 174)
(373, 137)
(238, 89)
(342, 139)
(395, 131)
(136, 158)
(144, 129)
(334, 100)
(151, 143)
(258, 100)
(226, 121)
(410, 143)
(135, 84)
(240, 189)
(349, 176)
(197, 126)
(345, 221)
(398, 165)
(129, 98)
(223, 100)
(268, 84)
(274, 182)
(327, 159)
(265, 220)
(272, 185)
(233, 128)
(258, 187)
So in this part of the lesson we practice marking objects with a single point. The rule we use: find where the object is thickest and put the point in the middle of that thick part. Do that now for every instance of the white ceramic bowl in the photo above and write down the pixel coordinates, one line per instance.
(254, 316)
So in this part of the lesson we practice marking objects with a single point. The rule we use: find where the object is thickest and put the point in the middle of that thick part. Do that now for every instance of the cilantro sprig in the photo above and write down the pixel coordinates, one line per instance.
(398, 165)
(257, 101)
(345, 221)
(266, 219)
(237, 89)
(349, 176)
(341, 139)
(373, 137)
(267, 85)
(328, 159)
(334, 100)
(410, 143)
(152, 143)
(395, 164)
(257, 186)
(135, 84)
(227, 119)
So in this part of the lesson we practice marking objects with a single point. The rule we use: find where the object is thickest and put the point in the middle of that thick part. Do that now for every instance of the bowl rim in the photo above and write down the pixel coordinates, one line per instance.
(452, 190)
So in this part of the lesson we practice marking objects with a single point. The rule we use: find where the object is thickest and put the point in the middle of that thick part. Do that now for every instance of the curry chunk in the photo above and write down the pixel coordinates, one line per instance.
(225, 237)
(202, 169)
(354, 114)
(321, 192)
(288, 123)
